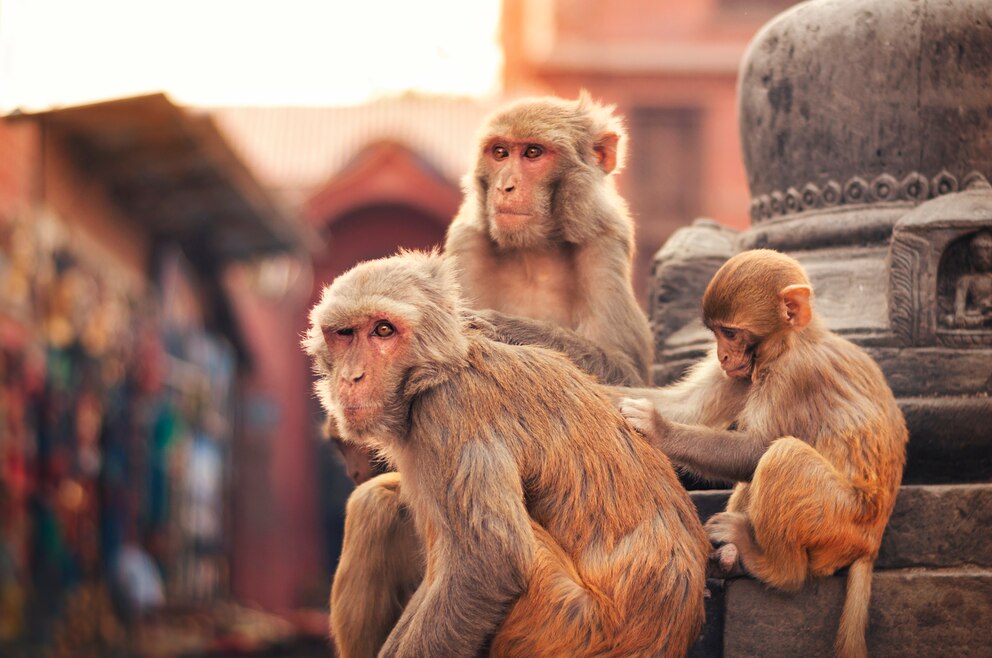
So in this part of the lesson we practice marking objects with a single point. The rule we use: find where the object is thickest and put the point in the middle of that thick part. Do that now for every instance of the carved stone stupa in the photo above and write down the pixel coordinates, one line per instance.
(866, 128)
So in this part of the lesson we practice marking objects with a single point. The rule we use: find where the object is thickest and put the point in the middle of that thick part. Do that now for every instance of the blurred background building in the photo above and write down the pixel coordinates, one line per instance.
(159, 445)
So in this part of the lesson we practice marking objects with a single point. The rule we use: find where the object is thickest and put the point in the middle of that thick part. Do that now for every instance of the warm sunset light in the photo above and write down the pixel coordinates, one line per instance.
(233, 52)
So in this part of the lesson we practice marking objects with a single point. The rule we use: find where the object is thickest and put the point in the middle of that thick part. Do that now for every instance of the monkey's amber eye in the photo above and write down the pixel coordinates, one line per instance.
(500, 152)
(383, 330)
(533, 151)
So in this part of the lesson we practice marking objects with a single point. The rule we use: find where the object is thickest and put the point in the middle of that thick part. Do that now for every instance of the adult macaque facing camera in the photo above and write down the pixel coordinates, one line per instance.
(819, 444)
(550, 527)
(542, 235)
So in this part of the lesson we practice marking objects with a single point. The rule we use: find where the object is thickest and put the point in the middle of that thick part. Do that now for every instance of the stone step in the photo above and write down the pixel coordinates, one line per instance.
(931, 591)
(914, 612)
(936, 526)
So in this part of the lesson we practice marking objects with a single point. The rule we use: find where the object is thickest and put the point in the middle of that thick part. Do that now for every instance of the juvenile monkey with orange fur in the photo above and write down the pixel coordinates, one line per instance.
(550, 527)
(819, 444)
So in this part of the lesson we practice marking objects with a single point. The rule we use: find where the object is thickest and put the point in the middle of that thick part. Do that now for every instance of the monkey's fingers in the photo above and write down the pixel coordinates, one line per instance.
(616, 393)
(638, 412)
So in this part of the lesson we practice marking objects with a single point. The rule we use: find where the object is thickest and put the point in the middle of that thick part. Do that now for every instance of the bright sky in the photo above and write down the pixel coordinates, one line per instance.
(244, 52)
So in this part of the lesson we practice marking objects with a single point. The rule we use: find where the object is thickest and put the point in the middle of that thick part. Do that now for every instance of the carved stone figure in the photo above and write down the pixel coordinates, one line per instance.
(973, 289)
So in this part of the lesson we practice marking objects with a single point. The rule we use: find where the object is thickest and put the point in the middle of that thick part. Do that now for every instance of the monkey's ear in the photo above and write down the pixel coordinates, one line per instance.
(606, 151)
(796, 307)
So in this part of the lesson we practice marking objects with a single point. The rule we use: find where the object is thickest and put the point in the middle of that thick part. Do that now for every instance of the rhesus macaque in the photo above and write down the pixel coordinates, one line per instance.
(551, 528)
(543, 235)
(544, 243)
(819, 444)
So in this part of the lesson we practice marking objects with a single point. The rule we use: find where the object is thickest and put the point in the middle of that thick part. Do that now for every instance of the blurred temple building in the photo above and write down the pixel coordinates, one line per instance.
(128, 375)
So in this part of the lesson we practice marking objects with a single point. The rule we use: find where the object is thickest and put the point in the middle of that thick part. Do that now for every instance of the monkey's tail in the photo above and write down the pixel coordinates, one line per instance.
(850, 641)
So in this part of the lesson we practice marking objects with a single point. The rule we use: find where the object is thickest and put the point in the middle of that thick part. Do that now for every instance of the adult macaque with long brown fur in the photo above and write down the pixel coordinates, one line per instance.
(551, 528)
(819, 444)
(543, 235)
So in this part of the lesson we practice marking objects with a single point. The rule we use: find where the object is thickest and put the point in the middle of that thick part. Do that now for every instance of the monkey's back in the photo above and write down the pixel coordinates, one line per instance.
(843, 407)
(609, 500)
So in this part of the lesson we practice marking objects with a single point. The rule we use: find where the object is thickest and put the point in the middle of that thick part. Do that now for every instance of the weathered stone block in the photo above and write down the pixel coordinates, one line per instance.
(954, 441)
(925, 614)
(680, 272)
(939, 526)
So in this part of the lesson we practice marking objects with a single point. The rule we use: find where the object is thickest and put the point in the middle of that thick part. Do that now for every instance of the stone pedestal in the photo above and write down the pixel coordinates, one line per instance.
(866, 127)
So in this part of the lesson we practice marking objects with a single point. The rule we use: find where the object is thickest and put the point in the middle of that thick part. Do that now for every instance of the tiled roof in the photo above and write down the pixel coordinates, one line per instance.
(296, 150)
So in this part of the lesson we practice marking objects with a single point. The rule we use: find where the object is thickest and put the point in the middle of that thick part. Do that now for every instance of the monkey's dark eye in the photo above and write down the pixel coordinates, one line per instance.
(500, 152)
(533, 151)
(383, 329)
(729, 334)
(345, 332)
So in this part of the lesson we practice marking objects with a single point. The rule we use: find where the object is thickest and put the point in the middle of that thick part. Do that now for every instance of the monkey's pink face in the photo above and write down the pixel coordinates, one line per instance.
(519, 174)
(367, 367)
(735, 350)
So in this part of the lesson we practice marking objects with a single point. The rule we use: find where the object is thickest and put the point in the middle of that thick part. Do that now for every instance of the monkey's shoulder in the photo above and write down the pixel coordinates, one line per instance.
(852, 363)
(467, 232)
(498, 381)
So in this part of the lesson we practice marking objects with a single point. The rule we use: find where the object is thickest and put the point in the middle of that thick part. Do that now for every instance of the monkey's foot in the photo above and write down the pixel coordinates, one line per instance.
(725, 531)
(725, 562)
(726, 528)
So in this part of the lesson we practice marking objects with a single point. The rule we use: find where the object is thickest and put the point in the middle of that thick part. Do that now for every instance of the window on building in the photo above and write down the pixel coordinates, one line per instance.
(662, 181)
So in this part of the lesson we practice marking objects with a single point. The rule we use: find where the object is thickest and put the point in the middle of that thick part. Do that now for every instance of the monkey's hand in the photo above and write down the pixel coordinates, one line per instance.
(641, 414)
(481, 322)
(616, 393)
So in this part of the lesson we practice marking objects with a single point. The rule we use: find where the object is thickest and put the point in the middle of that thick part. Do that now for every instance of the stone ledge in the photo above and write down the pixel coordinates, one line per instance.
(913, 613)
(931, 526)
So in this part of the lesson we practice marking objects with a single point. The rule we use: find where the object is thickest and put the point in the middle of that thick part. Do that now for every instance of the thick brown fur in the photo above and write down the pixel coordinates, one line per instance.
(556, 275)
(819, 444)
(551, 527)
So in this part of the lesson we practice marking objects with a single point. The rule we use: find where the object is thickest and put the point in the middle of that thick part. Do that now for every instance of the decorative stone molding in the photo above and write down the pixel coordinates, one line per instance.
(884, 188)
